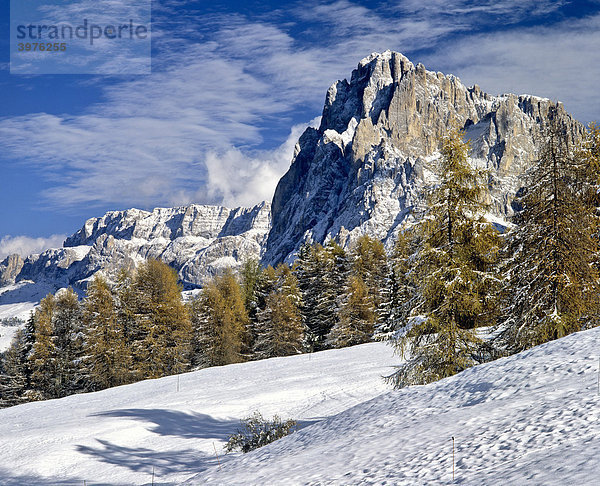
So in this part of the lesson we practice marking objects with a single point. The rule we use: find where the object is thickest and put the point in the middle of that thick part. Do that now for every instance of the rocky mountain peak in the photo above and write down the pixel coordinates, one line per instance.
(366, 166)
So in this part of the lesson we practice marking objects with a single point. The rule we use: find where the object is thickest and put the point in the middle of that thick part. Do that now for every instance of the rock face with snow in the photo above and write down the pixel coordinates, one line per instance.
(365, 167)
(361, 172)
(9, 269)
(195, 240)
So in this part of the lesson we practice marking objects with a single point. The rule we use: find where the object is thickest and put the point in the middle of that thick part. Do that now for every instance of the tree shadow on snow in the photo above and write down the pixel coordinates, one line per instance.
(144, 461)
(12, 478)
(180, 424)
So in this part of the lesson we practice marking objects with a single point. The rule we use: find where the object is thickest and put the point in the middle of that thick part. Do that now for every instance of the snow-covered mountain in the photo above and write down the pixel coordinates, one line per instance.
(196, 240)
(365, 167)
(362, 171)
(532, 418)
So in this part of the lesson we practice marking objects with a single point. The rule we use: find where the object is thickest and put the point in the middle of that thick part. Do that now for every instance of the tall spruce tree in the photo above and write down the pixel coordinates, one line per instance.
(454, 269)
(13, 373)
(552, 282)
(400, 292)
(321, 273)
(67, 330)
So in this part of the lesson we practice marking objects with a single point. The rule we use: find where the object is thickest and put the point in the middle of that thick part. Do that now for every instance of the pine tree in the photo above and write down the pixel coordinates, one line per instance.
(551, 279)
(454, 269)
(280, 329)
(219, 321)
(108, 357)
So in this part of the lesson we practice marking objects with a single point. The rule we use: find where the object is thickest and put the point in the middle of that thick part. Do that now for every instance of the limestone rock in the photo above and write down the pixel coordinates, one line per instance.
(375, 152)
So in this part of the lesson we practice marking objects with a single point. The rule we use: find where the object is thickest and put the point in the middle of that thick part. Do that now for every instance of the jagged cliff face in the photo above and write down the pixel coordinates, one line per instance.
(9, 269)
(375, 151)
(363, 171)
(197, 241)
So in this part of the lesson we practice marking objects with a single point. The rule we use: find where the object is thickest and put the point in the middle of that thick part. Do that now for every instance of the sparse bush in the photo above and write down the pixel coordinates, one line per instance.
(11, 322)
(256, 432)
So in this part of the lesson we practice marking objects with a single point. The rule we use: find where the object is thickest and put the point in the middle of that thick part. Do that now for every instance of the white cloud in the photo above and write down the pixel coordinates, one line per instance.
(238, 179)
(560, 62)
(190, 131)
(25, 245)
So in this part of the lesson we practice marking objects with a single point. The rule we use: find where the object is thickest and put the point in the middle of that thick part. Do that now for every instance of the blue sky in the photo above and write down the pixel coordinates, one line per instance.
(233, 85)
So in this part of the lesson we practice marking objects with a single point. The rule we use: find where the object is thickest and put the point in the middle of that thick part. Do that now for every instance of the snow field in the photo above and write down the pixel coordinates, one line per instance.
(117, 436)
(532, 418)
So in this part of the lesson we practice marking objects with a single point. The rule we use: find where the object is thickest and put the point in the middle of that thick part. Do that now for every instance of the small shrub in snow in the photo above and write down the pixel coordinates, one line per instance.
(11, 322)
(256, 432)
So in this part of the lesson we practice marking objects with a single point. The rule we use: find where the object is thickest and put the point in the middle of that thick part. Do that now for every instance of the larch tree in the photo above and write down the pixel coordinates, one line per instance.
(551, 273)
(163, 324)
(455, 272)
(43, 356)
(108, 357)
(363, 295)
(219, 321)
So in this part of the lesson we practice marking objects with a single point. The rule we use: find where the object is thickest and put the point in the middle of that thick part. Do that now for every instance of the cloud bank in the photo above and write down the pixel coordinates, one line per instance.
(25, 246)
(212, 123)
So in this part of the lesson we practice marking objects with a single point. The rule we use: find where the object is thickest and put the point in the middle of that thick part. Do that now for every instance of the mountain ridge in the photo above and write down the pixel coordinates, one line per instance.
(362, 171)
(366, 167)
(196, 240)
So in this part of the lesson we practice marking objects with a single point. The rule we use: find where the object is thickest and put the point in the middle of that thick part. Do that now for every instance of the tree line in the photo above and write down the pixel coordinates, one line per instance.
(450, 273)
(140, 327)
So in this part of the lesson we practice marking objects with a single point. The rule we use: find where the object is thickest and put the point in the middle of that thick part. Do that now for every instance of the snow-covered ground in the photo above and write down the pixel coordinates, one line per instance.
(117, 436)
(19, 300)
(532, 418)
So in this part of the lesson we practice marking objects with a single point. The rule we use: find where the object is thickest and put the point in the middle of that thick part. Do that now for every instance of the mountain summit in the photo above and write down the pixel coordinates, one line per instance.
(363, 171)
(365, 168)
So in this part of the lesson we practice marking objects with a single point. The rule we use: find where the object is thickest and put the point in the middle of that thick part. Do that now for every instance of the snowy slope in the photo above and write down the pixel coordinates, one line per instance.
(117, 436)
(528, 419)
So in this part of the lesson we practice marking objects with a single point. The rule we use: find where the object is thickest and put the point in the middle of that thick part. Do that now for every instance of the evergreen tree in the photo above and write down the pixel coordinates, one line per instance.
(13, 380)
(280, 329)
(108, 357)
(400, 293)
(250, 275)
(357, 316)
(68, 341)
(321, 273)
(219, 320)
(552, 282)
(454, 269)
